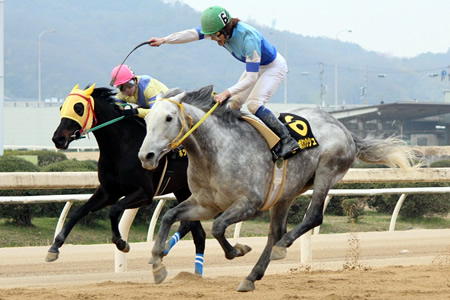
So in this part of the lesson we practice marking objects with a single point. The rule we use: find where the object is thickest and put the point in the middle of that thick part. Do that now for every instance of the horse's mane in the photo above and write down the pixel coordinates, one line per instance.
(106, 95)
(202, 99)
(103, 94)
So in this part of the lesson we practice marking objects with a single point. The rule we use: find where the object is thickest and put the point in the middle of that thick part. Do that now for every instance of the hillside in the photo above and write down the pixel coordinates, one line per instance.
(93, 36)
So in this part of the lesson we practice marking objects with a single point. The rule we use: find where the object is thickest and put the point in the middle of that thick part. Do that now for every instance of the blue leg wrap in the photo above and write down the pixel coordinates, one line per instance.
(173, 240)
(199, 264)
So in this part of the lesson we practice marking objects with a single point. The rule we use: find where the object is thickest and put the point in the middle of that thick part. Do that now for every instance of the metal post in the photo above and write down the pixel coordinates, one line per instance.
(2, 75)
(286, 58)
(336, 67)
(39, 62)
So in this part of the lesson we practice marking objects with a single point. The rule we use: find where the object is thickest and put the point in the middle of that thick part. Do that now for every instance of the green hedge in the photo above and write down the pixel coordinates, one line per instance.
(72, 165)
(45, 157)
(16, 164)
(441, 164)
(22, 214)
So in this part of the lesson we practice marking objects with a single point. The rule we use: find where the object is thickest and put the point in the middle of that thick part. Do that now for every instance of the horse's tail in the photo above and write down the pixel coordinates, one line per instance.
(391, 151)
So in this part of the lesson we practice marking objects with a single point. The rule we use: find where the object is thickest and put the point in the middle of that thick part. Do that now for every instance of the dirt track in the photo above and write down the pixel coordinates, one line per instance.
(411, 264)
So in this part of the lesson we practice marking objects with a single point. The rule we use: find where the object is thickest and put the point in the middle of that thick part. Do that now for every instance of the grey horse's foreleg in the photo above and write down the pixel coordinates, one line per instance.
(232, 215)
(278, 224)
(159, 270)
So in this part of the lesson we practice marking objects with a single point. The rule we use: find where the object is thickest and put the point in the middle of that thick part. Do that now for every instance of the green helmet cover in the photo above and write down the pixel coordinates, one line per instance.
(214, 19)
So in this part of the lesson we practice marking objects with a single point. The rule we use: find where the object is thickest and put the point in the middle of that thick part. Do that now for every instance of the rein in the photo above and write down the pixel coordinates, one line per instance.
(83, 133)
(103, 125)
(174, 144)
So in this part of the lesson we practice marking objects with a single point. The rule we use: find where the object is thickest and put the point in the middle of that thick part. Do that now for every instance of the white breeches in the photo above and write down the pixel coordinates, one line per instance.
(269, 80)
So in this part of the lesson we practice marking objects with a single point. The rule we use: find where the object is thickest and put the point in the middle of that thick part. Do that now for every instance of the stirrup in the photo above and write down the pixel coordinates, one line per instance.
(289, 154)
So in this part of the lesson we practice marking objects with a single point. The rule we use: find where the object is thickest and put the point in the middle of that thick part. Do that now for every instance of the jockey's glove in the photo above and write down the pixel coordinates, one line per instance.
(130, 112)
(143, 112)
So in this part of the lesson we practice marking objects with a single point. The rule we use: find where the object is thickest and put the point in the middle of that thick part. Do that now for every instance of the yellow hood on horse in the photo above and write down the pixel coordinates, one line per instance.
(83, 97)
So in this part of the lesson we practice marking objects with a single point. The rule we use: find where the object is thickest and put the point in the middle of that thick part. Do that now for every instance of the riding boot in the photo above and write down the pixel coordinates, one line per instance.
(287, 145)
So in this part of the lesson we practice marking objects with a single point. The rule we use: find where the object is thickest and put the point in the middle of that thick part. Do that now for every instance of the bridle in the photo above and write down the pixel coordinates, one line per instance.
(177, 140)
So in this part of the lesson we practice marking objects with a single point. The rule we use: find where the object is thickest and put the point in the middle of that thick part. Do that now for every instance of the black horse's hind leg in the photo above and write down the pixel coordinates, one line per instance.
(278, 223)
(183, 211)
(134, 200)
(98, 201)
(199, 236)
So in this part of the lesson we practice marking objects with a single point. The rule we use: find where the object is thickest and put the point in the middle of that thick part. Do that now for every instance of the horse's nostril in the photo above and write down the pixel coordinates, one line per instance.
(58, 140)
(150, 156)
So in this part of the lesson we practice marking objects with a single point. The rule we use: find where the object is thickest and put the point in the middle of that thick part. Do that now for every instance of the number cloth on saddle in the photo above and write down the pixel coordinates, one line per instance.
(300, 130)
(298, 127)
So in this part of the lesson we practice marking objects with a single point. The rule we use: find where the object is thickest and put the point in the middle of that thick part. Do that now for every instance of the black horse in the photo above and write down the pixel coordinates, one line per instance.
(119, 169)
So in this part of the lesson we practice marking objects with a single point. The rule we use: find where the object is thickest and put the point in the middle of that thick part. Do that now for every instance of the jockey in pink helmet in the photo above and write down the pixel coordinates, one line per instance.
(139, 90)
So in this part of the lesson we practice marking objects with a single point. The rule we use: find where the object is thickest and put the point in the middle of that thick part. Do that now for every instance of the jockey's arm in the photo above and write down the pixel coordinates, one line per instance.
(185, 36)
(247, 80)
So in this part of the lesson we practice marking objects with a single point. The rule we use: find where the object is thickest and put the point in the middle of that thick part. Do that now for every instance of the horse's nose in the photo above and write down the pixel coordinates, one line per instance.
(150, 156)
(148, 160)
(146, 156)
(60, 142)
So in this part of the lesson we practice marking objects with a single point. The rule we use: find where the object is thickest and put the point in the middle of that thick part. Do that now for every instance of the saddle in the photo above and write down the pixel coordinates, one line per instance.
(298, 127)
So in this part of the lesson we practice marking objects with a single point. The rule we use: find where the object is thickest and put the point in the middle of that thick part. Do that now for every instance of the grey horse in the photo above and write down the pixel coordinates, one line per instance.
(230, 171)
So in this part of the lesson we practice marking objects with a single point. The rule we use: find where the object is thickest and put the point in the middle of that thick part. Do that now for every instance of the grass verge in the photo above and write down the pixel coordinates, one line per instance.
(41, 234)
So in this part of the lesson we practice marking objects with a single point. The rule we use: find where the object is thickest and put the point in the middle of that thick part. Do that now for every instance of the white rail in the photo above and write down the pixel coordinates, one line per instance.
(128, 216)
(89, 180)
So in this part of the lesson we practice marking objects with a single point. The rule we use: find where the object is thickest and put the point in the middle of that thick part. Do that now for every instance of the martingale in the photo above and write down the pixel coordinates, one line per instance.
(300, 130)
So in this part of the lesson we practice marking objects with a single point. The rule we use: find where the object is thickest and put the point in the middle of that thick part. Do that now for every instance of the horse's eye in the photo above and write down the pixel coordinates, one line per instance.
(168, 118)
(79, 109)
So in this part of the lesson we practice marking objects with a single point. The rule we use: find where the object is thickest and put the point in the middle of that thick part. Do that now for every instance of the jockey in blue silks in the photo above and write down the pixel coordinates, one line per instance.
(265, 68)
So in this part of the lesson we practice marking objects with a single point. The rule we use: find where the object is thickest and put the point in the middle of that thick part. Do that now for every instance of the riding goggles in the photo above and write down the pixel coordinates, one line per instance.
(128, 85)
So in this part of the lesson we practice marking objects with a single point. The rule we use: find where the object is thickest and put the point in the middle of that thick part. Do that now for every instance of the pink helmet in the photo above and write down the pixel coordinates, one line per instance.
(121, 74)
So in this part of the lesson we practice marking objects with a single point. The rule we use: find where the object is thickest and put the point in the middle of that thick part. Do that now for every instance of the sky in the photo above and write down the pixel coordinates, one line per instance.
(401, 28)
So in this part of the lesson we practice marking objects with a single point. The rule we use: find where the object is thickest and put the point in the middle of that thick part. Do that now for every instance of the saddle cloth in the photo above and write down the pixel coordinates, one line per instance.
(298, 127)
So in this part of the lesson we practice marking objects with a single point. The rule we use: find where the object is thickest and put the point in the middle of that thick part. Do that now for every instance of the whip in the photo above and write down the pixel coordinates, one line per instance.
(115, 76)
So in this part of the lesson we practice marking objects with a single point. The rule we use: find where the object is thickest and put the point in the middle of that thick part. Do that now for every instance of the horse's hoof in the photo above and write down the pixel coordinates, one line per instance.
(126, 249)
(242, 249)
(122, 245)
(246, 286)
(159, 274)
(51, 256)
(278, 253)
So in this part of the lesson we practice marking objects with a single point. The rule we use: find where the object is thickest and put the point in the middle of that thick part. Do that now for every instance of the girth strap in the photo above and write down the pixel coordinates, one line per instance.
(276, 185)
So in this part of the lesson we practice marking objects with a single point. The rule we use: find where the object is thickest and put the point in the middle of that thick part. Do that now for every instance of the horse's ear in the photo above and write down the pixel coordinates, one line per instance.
(75, 88)
(179, 97)
(89, 90)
